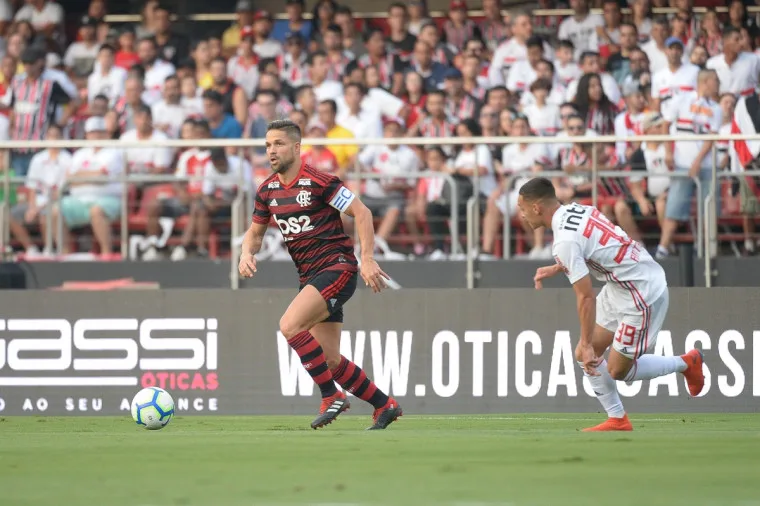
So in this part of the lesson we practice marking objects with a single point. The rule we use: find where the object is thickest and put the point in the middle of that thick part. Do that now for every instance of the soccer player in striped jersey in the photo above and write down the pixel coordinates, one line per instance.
(629, 311)
(306, 205)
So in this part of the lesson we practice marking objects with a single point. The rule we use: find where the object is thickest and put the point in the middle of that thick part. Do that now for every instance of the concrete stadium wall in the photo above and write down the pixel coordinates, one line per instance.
(437, 351)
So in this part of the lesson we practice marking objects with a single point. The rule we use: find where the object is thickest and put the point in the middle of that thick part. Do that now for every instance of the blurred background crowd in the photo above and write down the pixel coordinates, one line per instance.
(617, 70)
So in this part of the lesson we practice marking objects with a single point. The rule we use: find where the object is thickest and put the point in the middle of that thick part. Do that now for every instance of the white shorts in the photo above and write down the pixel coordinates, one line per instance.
(635, 329)
(508, 198)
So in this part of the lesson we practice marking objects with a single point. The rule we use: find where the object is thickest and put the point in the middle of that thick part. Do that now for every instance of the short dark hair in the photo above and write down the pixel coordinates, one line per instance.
(538, 188)
(332, 27)
(102, 97)
(566, 43)
(333, 105)
(107, 47)
(142, 109)
(535, 41)
(360, 87)
(285, 125)
(213, 95)
(313, 56)
(586, 55)
(730, 30)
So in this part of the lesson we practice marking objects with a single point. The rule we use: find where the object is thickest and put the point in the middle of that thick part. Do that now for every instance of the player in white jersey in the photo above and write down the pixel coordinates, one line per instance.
(630, 309)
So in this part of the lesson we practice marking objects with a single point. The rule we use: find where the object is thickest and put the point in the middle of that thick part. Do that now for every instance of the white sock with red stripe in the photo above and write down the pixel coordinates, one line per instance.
(606, 391)
(653, 366)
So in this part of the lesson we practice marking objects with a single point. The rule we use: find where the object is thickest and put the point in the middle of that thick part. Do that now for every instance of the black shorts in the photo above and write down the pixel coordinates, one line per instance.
(336, 287)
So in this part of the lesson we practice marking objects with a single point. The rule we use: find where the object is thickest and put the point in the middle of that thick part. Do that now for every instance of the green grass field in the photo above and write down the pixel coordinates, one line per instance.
(531, 460)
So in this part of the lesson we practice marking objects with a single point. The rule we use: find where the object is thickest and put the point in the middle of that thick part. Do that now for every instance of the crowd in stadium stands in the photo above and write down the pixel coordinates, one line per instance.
(506, 74)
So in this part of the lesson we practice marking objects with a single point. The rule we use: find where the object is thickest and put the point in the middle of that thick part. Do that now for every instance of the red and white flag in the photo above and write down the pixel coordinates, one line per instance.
(746, 121)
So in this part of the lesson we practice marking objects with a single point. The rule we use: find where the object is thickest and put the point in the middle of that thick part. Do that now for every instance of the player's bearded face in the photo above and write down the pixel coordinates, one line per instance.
(281, 151)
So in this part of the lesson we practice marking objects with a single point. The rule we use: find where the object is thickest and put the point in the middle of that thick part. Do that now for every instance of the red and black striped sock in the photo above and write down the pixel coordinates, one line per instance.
(351, 377)
(313, 359)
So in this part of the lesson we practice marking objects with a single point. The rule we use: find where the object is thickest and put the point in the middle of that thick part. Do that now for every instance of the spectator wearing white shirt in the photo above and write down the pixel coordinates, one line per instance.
(168, 114)
(677, 77)
(107, 79)
(45, 16)
(543, 117)
(156, 71)
(97, 204)
(386, 197)
(566, 68)
(324, 88)
(523, 73)
(581, 28)
(363, 123)
(221, 183)
(646, 163)
(737, 70)
(243, 68)
(263, 44)
(655, 47)
(147, 159)
(607, 36)
(546, 70)
(693, 113)
(429, 191)
(80, 56)
(502, 202)
(190, 99)
(590, 64)
(513, 50)
(47, 171)
(628, 122)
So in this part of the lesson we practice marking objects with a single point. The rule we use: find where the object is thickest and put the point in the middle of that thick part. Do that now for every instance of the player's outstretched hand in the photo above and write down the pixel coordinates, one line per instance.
(588, 358)
(247, 265)
(543, 273)
(373, 275)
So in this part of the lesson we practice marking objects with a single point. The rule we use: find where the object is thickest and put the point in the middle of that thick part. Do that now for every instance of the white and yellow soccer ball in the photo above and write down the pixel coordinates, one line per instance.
(152, 408)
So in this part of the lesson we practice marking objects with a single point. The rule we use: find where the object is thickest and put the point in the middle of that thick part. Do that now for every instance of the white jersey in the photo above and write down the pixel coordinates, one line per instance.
(506, 55)
(587, 243)
(692, 115)
(739, 78)
(581, 33)
(666, 83)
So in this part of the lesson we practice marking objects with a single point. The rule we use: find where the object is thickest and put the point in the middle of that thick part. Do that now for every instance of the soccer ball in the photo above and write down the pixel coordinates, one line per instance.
(152, 408)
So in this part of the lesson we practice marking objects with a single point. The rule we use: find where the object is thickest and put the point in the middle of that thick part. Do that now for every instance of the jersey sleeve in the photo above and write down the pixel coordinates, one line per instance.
(569, 256)
(337, 195)
(261, 214)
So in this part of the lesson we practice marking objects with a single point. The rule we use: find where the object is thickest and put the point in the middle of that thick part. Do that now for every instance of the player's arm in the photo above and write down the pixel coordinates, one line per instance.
(570, 259)
(254, 236)
(344, 200)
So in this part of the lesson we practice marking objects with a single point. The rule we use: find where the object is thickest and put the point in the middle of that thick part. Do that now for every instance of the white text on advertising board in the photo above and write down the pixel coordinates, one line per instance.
(110, 352)
(523, 364)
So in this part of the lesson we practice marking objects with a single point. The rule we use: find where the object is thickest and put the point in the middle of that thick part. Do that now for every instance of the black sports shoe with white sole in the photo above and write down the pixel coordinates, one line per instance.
(330, 409)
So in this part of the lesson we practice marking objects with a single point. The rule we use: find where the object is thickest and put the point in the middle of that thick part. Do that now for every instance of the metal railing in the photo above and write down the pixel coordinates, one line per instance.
(475, 13)
(472, 241)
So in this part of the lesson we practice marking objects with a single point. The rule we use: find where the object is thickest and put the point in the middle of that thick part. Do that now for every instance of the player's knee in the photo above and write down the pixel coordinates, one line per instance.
(289, 327)
(617, 371)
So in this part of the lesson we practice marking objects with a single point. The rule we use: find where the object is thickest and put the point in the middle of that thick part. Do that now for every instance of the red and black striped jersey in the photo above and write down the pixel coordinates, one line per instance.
(307, 211)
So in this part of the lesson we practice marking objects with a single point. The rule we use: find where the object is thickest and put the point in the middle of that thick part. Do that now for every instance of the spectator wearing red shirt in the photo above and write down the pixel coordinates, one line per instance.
(126, 56)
